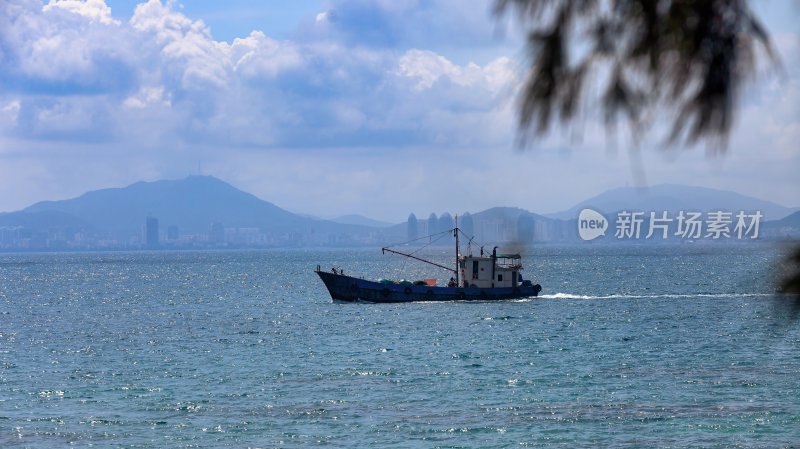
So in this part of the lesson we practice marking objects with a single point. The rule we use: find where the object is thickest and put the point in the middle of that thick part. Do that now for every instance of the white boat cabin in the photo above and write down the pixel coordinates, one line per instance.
(495, 270)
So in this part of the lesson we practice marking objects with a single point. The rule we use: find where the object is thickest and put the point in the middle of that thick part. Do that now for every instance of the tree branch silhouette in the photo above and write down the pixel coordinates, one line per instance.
(688, 57)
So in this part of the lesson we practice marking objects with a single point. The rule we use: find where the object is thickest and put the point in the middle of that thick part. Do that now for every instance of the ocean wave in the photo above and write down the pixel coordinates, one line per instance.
(666, 295)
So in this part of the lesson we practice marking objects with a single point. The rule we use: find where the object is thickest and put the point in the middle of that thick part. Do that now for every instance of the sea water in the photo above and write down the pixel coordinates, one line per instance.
(628, 346)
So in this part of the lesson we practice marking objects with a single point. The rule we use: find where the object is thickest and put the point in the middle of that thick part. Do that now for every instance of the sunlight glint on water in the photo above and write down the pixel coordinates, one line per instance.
(627, 347)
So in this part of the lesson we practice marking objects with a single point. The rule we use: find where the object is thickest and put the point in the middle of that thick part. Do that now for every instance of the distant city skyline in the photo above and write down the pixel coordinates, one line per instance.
(203, 212)
(337, 107)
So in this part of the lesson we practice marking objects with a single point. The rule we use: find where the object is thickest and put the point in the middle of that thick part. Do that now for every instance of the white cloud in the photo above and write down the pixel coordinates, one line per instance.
(255, 90)
(186, 48)
(66, 116)
(96, 10)
(9, 113)
(405, 24)
(354, 101)
(52, 56)
(68, 45)
(322, 17)
(257, 55)
(428, 67)
(147, 95)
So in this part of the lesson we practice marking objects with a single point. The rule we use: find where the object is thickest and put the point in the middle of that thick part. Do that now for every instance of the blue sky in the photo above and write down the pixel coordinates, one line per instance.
(335, 107)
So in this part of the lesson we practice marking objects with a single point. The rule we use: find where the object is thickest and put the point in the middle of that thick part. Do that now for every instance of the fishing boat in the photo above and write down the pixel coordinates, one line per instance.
(483, 277)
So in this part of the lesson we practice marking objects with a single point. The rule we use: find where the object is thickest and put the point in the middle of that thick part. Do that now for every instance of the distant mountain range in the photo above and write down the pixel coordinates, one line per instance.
(43, 220)
(674, 198)
(360, 220)
(193, 204)
(790, 221)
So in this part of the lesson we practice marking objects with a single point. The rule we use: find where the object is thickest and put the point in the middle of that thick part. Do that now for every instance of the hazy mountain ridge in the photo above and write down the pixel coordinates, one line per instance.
(193, 204)
(360, 220)
(506, 213)
(673, 198)
(35, 219)
(790, 221)
(184, 201)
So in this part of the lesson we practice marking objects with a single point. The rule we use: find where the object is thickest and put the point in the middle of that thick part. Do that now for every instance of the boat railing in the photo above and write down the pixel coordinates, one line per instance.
(517, 265)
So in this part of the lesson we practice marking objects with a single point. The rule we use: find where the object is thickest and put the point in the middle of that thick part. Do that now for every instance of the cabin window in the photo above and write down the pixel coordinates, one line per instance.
(499, 278)
(474, 269)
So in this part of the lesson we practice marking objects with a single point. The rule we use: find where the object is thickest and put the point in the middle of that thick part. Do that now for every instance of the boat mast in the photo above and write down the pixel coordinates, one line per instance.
(455, 231)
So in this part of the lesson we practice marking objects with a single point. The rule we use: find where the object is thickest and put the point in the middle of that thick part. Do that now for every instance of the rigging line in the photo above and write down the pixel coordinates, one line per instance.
(420, 259)
(429, 243)
(471, 238)
(419, 238)
(425, 246)
(411, 255)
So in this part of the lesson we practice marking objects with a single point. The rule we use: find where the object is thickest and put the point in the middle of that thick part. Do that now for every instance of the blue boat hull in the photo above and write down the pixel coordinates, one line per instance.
(348, 288)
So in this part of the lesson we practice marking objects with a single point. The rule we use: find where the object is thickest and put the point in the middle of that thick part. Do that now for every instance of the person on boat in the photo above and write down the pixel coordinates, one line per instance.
(333, 269)
(452, 283)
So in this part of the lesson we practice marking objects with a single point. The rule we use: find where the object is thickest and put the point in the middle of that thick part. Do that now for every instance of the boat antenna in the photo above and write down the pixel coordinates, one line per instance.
(455, 233)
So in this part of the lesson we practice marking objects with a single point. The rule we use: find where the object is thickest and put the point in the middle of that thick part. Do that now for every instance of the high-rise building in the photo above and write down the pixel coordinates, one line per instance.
(526, 227)
(433, 224)
(413, 228)
(467, 225)
(446, 222)
(217, 233)
(172, 232)
(151, 232)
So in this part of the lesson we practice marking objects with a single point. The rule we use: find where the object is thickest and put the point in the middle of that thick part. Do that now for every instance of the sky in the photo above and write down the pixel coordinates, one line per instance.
(379, 108)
